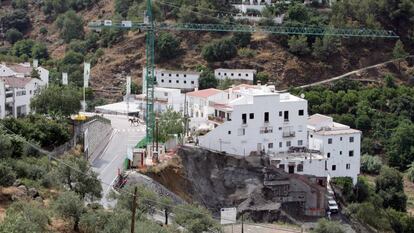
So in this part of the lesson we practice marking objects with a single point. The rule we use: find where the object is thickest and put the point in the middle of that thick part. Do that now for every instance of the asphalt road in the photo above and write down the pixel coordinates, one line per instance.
(112, 158)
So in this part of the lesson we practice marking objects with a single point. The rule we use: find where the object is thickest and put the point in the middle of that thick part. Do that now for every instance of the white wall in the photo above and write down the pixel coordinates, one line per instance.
(199, 108)
(311, 166)
(339, 153)
(174, 79)
(229, 135)
(2, 100)
(5, 71)
(234, 74)
(44, 75)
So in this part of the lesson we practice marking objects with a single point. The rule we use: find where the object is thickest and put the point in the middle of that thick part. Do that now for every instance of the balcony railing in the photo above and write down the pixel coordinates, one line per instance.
(266, 130)
(288, 134)
(216, 119)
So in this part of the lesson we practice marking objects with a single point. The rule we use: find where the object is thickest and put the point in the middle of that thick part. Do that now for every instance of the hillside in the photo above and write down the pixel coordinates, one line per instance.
(270, 54)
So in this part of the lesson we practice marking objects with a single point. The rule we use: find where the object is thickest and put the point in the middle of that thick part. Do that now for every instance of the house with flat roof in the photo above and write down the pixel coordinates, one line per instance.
(235, 74)
(183, 80)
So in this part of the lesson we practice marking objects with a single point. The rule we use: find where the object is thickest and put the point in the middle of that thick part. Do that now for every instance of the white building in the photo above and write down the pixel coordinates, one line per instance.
(18, 93)
(164, 98)
(258, 121)
(183, 80)
(339, 143)
(200, 105)
(24, 70)
(2, 100)
(235, 74)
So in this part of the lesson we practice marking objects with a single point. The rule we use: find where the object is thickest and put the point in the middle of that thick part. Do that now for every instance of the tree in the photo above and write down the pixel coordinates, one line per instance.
(39, 51)
(194, 218)
(262, 77)
(370, 164)
(401, 145)
(70, 26)
(325, 226)
(57, 100)
(399, 52)
(225, 84)
(7, 175)
(19, 4)
(219, 50)
(25, 217)
(146, 204)
(298, 12)
(170, 123)
(389, 185)
(70, 206)
(207, 80)
(325, 47)
(15, 19)
(361, 190)
(242, 39)
(168, 46)
(77, 175)
(13, 35)
(410, 172)
(166, 204)
(22, 49)
(298, 45)
(363, 122)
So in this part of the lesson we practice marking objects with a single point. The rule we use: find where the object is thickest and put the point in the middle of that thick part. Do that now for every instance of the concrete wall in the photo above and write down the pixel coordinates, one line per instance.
(235, 74)
(96, 134)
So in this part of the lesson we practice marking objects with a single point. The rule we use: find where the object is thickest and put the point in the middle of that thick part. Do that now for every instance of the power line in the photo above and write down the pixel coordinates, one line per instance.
(50, 155)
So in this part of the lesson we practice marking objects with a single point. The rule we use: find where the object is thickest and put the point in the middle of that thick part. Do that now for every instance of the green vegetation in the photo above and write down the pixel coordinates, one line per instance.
(57, 100)
(26, 49)
(13, 35)
(370, 164)
(68, 205)
(170, 123)
(325, 226)
(219, 50)
(167, 46)
(298, 45)
(207, 80)
(70, 26)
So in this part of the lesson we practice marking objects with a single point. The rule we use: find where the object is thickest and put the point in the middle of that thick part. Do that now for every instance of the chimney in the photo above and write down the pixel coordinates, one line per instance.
(35, 63)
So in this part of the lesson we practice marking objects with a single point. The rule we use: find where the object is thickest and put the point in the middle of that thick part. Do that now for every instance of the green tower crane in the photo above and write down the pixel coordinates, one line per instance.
(150, 26)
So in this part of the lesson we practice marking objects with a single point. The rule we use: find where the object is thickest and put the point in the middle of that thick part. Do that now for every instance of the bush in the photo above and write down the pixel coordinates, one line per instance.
(325, 226)
(19, 4)
(262, 77)
(43, 30)
(219, 50)
(13, 35)
(242, 39)
(367, 213)
(410, 172)
(15, 19)
(246, 52)
(389, 186)
(39, 51)
(168, 46)
(7, 175)
(22, 48)
(70, 26)
(207, 80)
(298, 45)
(370, 164)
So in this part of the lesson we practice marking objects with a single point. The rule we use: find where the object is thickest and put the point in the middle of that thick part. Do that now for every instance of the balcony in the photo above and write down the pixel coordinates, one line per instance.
(266, 130)
(288, 134)
(217, 120)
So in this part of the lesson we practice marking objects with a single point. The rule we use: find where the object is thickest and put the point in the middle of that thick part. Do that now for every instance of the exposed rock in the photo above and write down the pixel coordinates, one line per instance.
(33, 193)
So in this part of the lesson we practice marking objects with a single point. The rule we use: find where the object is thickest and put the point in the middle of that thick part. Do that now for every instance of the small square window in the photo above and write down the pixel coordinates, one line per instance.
(328, 155)
(282, 166)
(280, 113)
(333, 167)
(162, 80)
(300, 142)
(251, 115)
(229, 132)
(270, 145)
(247, 75)
(348, 166)
(300, 167)
(280, 128)
(185, 81)
(169, 75)
(311, 136)
(169, 81)
(351, 139)
(239, 75)
(192, 82)
(177, 75)
(162, 74)
(301, 112)
(219, 73)
(351, 153)
(177, 81)
(329, 140)
(340, 152)
(340, 139)
(288, 143)
(232, 74)
(280, 144)
(185, 76)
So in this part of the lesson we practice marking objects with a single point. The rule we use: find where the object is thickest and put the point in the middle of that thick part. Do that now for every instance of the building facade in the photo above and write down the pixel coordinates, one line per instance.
(24, 70)
(18, 93)
(340, 144)
(235, 74)
(183, 80)
(2, 100)
(258, 121)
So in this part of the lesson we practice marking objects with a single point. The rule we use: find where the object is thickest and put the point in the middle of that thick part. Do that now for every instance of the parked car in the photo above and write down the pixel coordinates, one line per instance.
(333, 206)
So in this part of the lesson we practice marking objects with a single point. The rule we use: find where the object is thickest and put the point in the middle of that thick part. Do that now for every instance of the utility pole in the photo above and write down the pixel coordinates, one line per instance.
(157, 131)
(242, 227)
(134, 207)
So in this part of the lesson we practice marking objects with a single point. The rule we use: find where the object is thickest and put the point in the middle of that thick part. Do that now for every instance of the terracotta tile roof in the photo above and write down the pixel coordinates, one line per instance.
(205, 93)
(15, 82)
(21, 69)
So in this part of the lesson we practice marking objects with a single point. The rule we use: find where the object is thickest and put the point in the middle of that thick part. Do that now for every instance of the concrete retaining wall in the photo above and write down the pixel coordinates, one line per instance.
(96, 134)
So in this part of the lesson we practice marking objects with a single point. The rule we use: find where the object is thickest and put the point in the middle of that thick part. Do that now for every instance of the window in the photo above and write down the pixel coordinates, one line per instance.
(192, 82)
(244, 118)
(177, 81)
(177, 75)
(311, 135)
(348, 166)
(333, 167)
(266, 117)
(219, 73)
(242, 132)
(286, 116)
(162, 80)
(162, 74)
(229, 132)
(328, 155)
(301, 112)
(247, 75)
(280, 113)
(270, 145)
(351, 139)
(185, 76)
(351, 153)
(340, 139)
(232, 74)
(300, 142)
(239, 74)
(169, 81)
(282, 166)
(280, 128)
(225, 74)
(251, 116)
(329, 140)
(288, 143)
(185, 81)
(169, 75)
(280, 144)
(300, 167)
(165, 94)
(340, 152)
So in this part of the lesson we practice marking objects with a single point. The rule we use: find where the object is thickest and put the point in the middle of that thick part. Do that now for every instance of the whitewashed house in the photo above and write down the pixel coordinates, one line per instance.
(200, 106)
(183, 80)
(235, 74)
(24, 70)
(339, 143)
(258, 5)
(164, 98)
(258, 121)
(18, 94)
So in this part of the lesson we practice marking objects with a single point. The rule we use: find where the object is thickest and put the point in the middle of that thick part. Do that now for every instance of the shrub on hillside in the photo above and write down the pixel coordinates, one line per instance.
(70, 26)
(219, 50)
(370, 164)
(7, 175)
(13, 35)
(298, 45)
(167, 46)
